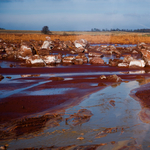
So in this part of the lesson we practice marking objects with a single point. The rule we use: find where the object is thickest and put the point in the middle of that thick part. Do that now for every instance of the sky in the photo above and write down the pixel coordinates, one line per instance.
(74, 15)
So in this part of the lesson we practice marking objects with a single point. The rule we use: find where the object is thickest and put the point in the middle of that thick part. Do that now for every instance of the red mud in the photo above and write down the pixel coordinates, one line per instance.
(142, 95)
(72, 69)
(24, 104)
(18, 105)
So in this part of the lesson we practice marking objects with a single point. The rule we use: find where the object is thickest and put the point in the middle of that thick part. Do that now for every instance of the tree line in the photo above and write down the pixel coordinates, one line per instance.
(117, 29)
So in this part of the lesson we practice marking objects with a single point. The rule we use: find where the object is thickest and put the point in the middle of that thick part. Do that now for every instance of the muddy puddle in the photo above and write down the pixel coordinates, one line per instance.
(109, 120)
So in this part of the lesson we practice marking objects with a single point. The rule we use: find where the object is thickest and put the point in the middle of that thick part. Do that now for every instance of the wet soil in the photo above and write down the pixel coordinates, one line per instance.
(142, 95)
(71, 107)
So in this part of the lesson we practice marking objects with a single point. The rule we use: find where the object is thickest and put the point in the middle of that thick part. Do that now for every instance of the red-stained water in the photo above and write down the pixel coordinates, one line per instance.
(116, 124)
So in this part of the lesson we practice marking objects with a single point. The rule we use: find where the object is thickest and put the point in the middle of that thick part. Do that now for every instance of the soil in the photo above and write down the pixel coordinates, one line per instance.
(31, 104)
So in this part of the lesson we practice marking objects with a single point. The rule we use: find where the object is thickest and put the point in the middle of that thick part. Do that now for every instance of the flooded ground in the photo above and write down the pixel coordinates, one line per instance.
(114, 121)
(81, 106)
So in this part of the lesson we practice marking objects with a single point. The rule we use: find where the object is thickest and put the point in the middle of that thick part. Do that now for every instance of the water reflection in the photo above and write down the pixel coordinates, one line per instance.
(143, 81)
(122, 117)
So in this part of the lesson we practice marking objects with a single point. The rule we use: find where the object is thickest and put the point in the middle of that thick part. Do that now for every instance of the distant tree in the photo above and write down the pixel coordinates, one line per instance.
(2, 29)
(45, 30)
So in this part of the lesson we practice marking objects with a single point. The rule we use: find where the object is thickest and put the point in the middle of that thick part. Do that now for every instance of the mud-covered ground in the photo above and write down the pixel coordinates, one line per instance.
(76, 105)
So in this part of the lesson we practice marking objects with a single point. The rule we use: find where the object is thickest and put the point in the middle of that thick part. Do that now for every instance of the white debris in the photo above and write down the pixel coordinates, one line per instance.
(24, 52)
(46, 45)
(35, 60)
(78, 45)
(24, 47)
(128, 59)
(49, 59)
(104, 46)
(24, 58)
(142, 43)
(68, 59)
(138, 63)
(102, 77)
(29, 75)
(137, 72)
(123, 65)
(93, 54)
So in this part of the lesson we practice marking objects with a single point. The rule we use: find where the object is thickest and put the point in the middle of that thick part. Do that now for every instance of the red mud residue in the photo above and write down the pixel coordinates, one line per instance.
(142, 95)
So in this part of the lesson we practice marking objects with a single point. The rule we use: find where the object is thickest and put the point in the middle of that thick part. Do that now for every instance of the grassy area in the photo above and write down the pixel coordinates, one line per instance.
(93, 37)
(72, 32)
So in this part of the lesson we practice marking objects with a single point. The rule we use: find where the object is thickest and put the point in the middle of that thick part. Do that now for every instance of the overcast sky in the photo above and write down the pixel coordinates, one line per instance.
(64, 15)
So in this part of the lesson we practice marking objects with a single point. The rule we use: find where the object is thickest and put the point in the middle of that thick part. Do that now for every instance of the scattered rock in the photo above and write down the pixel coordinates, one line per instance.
(97, 60)
(11, 65)
(111, 78)
(1, 77)
(80, 59)
(35, 61)
(103, 77)
(30, 75)
(94, 54)
(79, 50)
(146, 56)
(107, 52)
(114, 78)
(128, 59)
(47, 44)
(5, 55)
(123, 65)
(137, 63)
(52, 59)
(82, 43)
(24, 52)
(104, 46)
(49, 59)
(114, 62)
(68, 59)
(10, 52)
(115, 51)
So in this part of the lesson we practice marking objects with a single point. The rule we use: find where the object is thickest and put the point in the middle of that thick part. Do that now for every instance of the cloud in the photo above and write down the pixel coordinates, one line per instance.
(72, 21)
(8, 1)
(74, 14)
